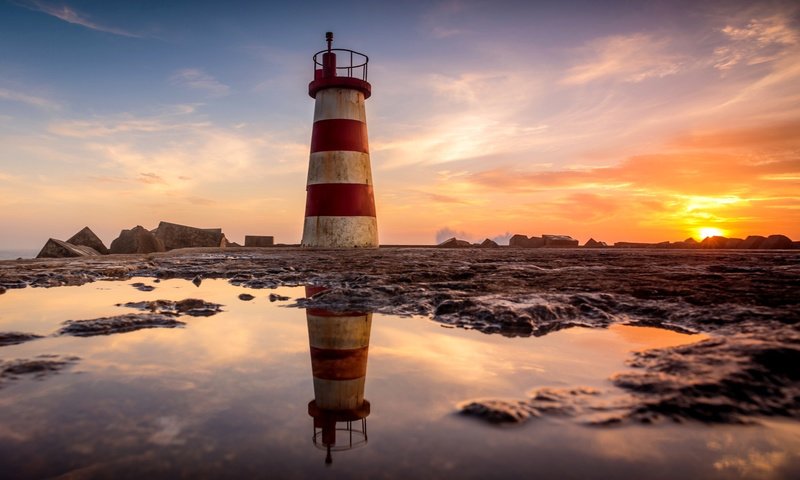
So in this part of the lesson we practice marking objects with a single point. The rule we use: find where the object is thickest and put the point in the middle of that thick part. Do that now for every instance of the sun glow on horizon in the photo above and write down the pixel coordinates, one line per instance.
(706, 232)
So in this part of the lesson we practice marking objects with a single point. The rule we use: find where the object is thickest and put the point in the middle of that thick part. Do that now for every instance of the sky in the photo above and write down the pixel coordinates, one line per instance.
(620, 121)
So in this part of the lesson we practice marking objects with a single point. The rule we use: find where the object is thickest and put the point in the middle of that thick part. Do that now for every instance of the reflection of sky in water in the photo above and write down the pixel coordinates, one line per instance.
(228, 395)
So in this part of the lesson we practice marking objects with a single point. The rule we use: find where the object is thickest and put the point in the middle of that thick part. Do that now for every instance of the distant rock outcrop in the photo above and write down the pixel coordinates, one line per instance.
(137, 240)
(753, 241)
(733, 243)
(559, 241)
(525, 242)
(518, 241)
(488, 244)
(713, 242)
(59, 249)
(775, 242)
(87, 238)
(453, 242)
(632, 245)
(175, 236)
(258, 241)
(592, 243)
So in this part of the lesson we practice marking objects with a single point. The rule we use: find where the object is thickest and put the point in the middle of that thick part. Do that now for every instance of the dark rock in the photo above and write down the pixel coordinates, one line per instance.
(246, 297)
(454, 243)
(733, 243)
(489, 244)
(499, 411)
(777, 242)
(142, 287)
(136, 240)
(753, 241)
(686, 244)
(193, 307)
(559, 241)
(525, 242)
(632, 245)
(258, 241)
(585, 405)
(13, 338)
(38, 367)
(60, 249)
(274, 297)
(520, 241)
(721, 380)
(592, 243)
(87, 238)
(175, 236)
(197, 280)
(713, 242)
(118, 324)
(2, 290)
(233, 244)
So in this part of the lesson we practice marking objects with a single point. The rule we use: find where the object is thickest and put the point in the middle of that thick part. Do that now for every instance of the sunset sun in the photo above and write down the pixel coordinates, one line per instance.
(706, 232)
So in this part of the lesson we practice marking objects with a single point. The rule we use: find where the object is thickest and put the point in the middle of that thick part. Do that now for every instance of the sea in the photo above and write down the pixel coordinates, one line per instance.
(14, 254)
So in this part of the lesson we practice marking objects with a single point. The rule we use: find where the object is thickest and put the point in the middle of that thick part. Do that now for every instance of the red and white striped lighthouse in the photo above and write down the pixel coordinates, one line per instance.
(340, 204)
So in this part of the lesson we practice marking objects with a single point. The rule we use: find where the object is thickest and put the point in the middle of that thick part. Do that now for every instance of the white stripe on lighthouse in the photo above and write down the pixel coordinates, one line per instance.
(339, 394)
(340, 333)
(339, 167)
(336, 232)
(337, 103)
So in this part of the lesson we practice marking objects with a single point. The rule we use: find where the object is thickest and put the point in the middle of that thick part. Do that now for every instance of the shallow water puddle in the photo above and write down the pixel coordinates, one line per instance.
(260, 389)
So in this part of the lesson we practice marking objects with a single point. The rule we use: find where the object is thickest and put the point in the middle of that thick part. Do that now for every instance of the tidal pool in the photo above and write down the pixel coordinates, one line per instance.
(261, 389)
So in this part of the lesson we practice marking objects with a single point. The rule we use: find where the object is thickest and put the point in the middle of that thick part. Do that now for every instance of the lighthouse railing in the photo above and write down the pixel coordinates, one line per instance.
(356, 68)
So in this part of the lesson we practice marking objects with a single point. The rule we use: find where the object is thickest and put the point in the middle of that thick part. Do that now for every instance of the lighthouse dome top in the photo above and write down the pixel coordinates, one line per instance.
(339, 68)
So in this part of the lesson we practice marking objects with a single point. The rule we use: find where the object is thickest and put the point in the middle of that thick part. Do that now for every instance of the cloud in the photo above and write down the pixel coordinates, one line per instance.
(781, 135)
(760, 40)
(120, 124)
(632, 58)
(693, 173)
(440, 198)
(440, 19)
(150, 178)
(199, 80)
(70, 15)
(28, 99)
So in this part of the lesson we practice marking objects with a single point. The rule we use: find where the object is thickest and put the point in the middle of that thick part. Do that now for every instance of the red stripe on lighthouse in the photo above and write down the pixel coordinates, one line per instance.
(339, 134)
(330, 364)
(340, 200)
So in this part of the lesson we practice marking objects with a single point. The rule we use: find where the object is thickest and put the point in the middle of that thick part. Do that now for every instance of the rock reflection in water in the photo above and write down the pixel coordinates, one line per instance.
(339, 343)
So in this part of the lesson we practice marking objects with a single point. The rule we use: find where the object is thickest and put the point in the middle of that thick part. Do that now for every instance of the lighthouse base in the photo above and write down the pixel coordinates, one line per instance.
(340, 232)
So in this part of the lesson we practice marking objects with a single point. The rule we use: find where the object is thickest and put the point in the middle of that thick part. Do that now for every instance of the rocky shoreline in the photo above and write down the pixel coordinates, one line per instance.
(746, 301)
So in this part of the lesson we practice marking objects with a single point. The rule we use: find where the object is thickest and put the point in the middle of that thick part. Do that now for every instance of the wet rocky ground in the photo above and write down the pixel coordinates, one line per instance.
(749, 302)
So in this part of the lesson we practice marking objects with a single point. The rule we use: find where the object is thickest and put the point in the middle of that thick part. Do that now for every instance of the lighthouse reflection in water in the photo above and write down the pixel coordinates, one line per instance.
(339, 342)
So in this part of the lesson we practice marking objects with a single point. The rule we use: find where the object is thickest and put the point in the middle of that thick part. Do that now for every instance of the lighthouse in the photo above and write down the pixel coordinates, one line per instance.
(339, 344)
(340, 203)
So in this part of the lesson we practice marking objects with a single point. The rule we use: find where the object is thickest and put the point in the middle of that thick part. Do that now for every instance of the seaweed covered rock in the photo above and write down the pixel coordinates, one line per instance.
(14, 338)
(118, 324)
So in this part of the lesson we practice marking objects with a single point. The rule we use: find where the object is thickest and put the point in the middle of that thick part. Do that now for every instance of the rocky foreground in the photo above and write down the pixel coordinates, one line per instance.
(749, 302)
